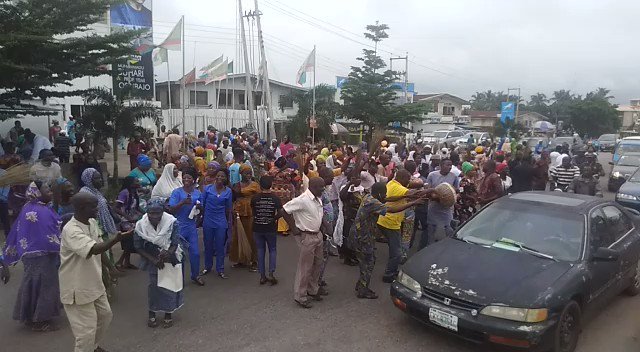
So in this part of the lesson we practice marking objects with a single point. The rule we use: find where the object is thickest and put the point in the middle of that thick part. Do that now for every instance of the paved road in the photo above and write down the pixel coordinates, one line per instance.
(240, 315)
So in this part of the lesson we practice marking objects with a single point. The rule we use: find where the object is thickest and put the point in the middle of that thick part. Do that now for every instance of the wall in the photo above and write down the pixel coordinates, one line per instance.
(483, 122)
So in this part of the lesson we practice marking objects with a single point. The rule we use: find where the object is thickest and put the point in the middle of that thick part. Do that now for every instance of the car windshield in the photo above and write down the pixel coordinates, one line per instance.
(528, 225)
(635, 178)
(607, 137)
(629, 160)
(629, 148)
(440, 134)
(562, 140)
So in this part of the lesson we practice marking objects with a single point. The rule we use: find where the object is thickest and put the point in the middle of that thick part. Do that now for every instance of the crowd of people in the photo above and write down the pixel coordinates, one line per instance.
(235, 194)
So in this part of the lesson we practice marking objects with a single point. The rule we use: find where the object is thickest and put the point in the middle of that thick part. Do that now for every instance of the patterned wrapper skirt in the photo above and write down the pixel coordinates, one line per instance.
(39, 294)
(161, 299)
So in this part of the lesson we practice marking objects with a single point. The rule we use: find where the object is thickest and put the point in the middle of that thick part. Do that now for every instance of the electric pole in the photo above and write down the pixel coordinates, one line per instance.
(248, 83)
(265, 72)
(405, 89)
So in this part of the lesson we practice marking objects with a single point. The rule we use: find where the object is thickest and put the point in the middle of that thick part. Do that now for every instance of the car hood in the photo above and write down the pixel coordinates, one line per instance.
(631, 188)
(485, 275)
(626, 171)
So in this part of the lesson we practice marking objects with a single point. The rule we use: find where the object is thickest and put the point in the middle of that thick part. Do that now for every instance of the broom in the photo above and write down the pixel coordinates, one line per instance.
(17, 174)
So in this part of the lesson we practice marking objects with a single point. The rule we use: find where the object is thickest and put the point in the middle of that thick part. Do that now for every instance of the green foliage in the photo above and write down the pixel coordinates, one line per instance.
(539, 103)
(368, 94)
(326, 110)
(515, 129)
(490, 101)
(37, 52)
(594, 115)
(111, 117)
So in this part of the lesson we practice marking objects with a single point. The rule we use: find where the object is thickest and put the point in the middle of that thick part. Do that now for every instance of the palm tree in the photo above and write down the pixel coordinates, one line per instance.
(538, 103)
(111, 116)
(600, 93)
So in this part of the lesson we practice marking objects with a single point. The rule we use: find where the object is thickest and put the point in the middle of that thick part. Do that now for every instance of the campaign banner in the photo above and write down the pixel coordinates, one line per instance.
(134, 74)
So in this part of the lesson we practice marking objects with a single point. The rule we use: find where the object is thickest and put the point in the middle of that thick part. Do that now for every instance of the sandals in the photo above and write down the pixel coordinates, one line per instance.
(223, 276)
(152, 323)
(272, 280)
(304, 304)
(167, 323)
(204, 272)
(44, 327)
(367, 294)
(263, 280)
(198, 281)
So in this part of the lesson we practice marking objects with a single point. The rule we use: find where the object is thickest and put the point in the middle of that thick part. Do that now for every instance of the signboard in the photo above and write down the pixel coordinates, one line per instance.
(508, 111)
(340, 81)
(400, 86)
(134, 74)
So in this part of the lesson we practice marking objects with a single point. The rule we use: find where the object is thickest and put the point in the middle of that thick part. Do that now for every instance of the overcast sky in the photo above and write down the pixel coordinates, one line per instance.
(540, 45)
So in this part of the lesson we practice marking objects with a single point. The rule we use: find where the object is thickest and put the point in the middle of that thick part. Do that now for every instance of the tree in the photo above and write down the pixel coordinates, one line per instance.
(41, 50)
(326, 110)
(112, 117)
(368, 94)
(539, 103)
(594, 115)
(490, 101)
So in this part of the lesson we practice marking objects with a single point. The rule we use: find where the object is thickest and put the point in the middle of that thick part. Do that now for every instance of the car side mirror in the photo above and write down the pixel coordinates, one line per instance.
(611, 163)
(604, 254)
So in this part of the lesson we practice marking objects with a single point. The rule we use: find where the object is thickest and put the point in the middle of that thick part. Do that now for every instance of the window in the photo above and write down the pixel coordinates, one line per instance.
(77, 110)
(202, 98)
(224, 101)
(286, 101)
(617, 223)
(599, 234)
(448, 110)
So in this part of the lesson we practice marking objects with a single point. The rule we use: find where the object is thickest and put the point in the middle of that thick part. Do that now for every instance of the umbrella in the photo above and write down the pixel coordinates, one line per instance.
(544, 126)
(337, 128)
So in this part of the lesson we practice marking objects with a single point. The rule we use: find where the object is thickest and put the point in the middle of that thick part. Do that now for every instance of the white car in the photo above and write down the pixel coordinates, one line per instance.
(444, 138)
(477, 136)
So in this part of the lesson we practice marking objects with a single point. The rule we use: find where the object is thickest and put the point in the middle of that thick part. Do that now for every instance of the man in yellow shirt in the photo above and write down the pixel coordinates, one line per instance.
(390, 223)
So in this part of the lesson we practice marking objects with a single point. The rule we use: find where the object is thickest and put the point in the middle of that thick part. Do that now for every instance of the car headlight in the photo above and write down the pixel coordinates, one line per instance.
(625, 196)
(616, 174)
(516, 314)
(409, 282)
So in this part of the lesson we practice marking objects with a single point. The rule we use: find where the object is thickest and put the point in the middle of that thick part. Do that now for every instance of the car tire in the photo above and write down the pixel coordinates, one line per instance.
(634, 288)
(568, 328)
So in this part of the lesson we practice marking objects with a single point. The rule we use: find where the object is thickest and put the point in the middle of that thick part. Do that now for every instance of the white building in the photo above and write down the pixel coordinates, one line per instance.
(446, 109)
(629, 114)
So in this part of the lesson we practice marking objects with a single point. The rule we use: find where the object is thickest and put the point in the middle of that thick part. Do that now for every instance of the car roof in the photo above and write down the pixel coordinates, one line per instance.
(634, 138)
(571, 202)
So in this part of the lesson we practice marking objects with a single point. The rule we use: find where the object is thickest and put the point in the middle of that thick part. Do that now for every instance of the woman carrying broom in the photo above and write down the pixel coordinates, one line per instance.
(243, 248)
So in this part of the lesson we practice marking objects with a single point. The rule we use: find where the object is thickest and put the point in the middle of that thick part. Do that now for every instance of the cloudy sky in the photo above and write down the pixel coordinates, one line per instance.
(455, 46)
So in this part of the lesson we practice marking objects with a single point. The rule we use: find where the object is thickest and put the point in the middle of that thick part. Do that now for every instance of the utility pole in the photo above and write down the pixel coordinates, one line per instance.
(248, 83)
(405, 89)
(272, 126)
(515, 119)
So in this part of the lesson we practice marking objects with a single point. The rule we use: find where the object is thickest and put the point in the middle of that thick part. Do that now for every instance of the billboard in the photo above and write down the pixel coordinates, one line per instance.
(508, 111)
(136, 72)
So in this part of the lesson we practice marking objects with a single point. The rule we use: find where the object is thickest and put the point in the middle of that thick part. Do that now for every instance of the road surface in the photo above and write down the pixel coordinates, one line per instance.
(239, 315)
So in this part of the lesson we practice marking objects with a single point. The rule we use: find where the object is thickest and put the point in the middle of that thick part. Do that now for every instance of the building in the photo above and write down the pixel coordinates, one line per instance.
(445, 109)
(629, 114)
(223, 104)
(485, 120)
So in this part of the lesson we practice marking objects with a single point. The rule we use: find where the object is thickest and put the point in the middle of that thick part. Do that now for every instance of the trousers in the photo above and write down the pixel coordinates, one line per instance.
(365, 253)
(395, 251)
(264, 240)
(433, 235)
(309, 265)
(214, 244)
(190, 233)
(89, 322)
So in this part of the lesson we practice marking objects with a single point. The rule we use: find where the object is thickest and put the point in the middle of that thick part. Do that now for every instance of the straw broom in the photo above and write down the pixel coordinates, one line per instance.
(16, 175)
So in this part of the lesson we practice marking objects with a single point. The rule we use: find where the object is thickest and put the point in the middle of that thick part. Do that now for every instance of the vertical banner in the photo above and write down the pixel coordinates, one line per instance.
(136, 72)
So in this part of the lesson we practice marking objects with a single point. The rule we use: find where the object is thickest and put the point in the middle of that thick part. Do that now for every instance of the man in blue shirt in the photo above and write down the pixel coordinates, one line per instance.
(131, 13)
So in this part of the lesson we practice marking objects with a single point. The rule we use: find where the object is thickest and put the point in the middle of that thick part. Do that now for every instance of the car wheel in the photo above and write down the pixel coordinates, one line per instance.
(634, 289)
(568, 328)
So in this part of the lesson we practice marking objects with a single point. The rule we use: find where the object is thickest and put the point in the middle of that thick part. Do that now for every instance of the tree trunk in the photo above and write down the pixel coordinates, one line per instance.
(115, 157)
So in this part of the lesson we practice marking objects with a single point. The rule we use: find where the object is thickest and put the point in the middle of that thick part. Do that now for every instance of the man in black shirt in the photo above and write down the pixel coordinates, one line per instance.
(61, 145)
(267, 208)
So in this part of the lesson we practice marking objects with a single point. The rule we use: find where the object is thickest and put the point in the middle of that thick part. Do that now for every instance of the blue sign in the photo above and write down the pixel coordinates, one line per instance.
(400, 86)
(340, 81)
(395, 124)
(508, 111)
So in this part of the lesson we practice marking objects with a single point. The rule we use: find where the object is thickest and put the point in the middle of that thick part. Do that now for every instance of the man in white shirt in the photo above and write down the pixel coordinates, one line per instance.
(370, 177)
(45, 169)
(38, 142)
(304, 216)
(81, 289)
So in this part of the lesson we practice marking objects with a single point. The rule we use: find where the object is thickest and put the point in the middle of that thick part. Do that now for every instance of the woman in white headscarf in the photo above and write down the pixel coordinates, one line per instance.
(168, 182)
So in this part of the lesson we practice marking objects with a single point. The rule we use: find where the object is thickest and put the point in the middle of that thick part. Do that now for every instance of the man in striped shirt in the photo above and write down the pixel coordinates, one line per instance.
(563, 175)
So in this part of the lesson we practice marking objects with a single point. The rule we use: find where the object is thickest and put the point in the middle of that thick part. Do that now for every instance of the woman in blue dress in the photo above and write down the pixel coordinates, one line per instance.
(181, 204)
(217, 203)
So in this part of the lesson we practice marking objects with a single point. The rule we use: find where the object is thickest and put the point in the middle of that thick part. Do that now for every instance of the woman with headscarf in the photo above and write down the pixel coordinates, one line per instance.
(284, 186)
(35, 240)
(199, 161)
(184, 204)
(143, 172)
(128, 207)
(158, 241)
(465, 205)
(210, 153)
(217, 202)
(167, 183)
(243, 215)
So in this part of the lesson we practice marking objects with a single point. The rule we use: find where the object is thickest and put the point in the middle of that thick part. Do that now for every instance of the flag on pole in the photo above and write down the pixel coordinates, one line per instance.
(190, 77)
(307, 66)
(217, 73)
(174, 40)
(160, 56)
(213, 64)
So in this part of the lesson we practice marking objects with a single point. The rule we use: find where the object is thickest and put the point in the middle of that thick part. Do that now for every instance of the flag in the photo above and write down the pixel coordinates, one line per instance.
(174, 40)
(230, 67)
(190, 77)
(217, 73)
(307, 66)
(160, 56)
(213, 64)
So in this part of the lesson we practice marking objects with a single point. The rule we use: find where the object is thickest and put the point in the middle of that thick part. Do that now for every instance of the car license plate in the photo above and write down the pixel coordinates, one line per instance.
(443, 319)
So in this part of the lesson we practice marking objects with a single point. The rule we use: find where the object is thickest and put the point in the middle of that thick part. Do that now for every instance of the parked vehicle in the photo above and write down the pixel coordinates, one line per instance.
(622, 170)
(629, 193)
(444, 138)
(626, 145)
(477, 136)
(524, 270)
(607, 142)
(532, 142)
(574, 142)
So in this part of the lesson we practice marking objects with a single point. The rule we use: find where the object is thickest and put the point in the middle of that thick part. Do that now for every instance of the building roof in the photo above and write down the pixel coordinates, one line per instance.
(632, 108)
(438, 96)
(241, 76)
(477, 114)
